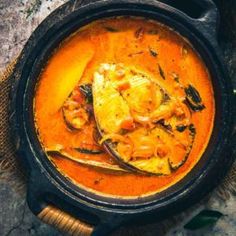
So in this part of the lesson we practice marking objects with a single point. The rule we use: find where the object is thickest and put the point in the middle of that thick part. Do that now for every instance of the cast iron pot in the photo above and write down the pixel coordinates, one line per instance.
(85, 212)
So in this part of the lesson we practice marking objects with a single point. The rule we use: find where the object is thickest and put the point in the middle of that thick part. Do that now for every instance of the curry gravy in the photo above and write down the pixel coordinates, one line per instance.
(137, 42)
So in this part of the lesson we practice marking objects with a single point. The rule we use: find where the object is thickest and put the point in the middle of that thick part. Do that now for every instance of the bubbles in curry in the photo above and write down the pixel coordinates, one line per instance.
(124, 107)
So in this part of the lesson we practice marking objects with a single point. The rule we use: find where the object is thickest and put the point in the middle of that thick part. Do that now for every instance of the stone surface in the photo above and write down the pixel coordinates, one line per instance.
(18, 18)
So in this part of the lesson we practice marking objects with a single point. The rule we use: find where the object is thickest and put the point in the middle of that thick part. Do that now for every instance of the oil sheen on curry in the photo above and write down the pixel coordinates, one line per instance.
(124, 107)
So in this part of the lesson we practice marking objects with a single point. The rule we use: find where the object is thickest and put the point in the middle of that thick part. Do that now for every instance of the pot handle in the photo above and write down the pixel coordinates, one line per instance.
(206, 22)
(65, 222)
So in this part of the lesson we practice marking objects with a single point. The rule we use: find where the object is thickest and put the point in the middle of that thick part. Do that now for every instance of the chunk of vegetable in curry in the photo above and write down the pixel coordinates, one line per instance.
(129, 102)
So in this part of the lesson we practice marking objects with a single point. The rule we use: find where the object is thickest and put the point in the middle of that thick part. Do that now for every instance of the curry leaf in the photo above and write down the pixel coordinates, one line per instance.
(203, 219)
(153, 52)
(192, 92)
(86, 89)
(111, 29)
(181, 128)
(89, 151)
(193, 99)
(162, 74)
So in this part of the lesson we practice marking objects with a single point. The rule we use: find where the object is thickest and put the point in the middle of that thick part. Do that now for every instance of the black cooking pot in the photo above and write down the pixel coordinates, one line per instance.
(46, 186)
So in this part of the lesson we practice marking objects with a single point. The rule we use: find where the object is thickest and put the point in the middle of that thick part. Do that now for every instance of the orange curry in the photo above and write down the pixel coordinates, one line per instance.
(136, 83)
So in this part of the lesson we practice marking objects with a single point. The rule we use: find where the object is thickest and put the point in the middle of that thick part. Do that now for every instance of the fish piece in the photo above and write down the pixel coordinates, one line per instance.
(137, 119)
(143, 96)
(110, 108)
(154, 165)
(65, 83)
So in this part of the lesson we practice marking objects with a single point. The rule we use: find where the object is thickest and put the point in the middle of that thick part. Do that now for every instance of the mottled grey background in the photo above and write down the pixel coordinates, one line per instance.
(18, 18)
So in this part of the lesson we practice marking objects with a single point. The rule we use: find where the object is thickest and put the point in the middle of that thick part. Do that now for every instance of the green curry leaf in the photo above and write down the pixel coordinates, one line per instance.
(203, 219)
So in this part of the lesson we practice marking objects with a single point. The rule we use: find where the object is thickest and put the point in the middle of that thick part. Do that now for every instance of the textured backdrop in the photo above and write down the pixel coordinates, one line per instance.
(18, 18)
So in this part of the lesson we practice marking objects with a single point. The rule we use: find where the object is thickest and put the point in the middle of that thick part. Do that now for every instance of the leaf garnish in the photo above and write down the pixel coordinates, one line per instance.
(153, 52)
(192, 129)
(193, 99)
(86, 90)
(175, 77)
(89, 151)
(203, 219)
(111, 29)
(162, 74)
(181, 128)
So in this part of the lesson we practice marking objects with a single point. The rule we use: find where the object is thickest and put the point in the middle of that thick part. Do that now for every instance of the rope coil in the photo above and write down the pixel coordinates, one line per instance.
(64, 222)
